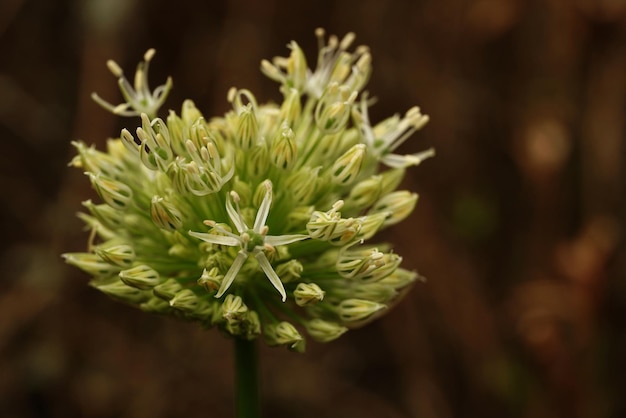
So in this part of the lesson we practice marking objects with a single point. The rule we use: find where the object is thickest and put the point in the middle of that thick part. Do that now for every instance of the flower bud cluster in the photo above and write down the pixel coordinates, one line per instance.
(258, 222)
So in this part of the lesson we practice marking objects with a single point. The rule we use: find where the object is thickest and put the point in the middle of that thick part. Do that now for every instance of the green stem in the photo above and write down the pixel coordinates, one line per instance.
(247, 404)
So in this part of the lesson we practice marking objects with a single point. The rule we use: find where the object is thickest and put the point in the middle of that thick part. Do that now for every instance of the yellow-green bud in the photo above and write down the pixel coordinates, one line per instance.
(284, 333)
(122, 292)
(185, 300)
(105, 214)
(211, 280)
(155, 305)
(291, 108)
(165, 215)
(329, 226)
(353, 310)
(308, 294)
(346, 169)
(91, 264)
(401, 278)
(398, 206)
(121, 255)
(370, 225)
(114, 193)
(365, 192)
(142, 277)
(324, 331)
(233, 308)
(247, 133)
(332, 111)
(283, 150)
(168, 289)
(190, 113)
(289, 271)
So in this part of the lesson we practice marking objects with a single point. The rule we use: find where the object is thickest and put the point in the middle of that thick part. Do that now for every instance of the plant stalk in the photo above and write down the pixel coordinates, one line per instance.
(247, 403)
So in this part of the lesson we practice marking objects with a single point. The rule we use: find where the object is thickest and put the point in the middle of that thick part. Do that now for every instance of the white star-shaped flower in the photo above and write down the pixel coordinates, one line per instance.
(252, 241)
(384, 138)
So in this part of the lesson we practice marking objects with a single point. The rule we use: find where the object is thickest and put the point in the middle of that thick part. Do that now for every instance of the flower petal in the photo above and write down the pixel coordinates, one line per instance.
(241, 258)
(235, 215)
(275, 240)
(264, 209)
(216, 239)
(270, 273)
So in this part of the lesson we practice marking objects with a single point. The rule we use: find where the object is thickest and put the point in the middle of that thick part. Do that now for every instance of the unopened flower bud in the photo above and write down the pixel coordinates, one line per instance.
(324, 331)
(331, 227)
(284, 333)
(308, 294)
(346, 169)
(122, 292)
(233, 308)
(114, 193)
(333, 109)
(247, 133)
(165, 215)
(120, 255)
(289, 271)
(91, 264)
(283, 150)
(142, 277)
(185, 300)
(353, 310)
(211, 280)
(168, 289)
(291, 108)
(398, 206)
(365, 192)
(105, 214)
(155, 305)
(401, 278)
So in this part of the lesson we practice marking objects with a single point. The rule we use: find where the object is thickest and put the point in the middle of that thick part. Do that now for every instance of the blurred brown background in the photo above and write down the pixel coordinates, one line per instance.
(519, 227)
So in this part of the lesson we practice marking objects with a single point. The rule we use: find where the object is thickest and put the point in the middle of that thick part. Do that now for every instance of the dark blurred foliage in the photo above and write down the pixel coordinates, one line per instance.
(519, 227)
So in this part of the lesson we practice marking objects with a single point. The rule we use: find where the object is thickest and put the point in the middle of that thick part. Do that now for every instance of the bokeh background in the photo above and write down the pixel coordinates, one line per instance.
(519, 228)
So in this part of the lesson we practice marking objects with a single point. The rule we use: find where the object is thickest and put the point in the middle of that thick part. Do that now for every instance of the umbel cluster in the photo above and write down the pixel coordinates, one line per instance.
(259, 222)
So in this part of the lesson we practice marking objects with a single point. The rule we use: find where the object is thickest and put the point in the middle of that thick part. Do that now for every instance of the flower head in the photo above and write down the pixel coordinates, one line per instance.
(207, 219)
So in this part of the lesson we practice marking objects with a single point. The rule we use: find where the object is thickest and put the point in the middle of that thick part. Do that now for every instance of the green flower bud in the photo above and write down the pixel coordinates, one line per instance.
(91, 264)
(365, 192)
(142, 277)
(284, 333)
(324, 331)
(289, 271)
(190, 112)
(211, 280)
(398, 205)
(308, 294)
(105, 214)
(283, 150)
(400, 279)
(122, 292)
(329, 226)
(165, 215)
(120, 255)
(114, 193)
(91, 160)
(247, 133)
(346, 169)
(155, 305)
(291, 108)
(168, 289)
(353, 310)
(302, 185)
(332, 111)
(185, 300)
(233, 308)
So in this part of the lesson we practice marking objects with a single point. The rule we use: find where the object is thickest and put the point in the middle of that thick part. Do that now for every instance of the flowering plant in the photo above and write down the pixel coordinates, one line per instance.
(258, 222)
